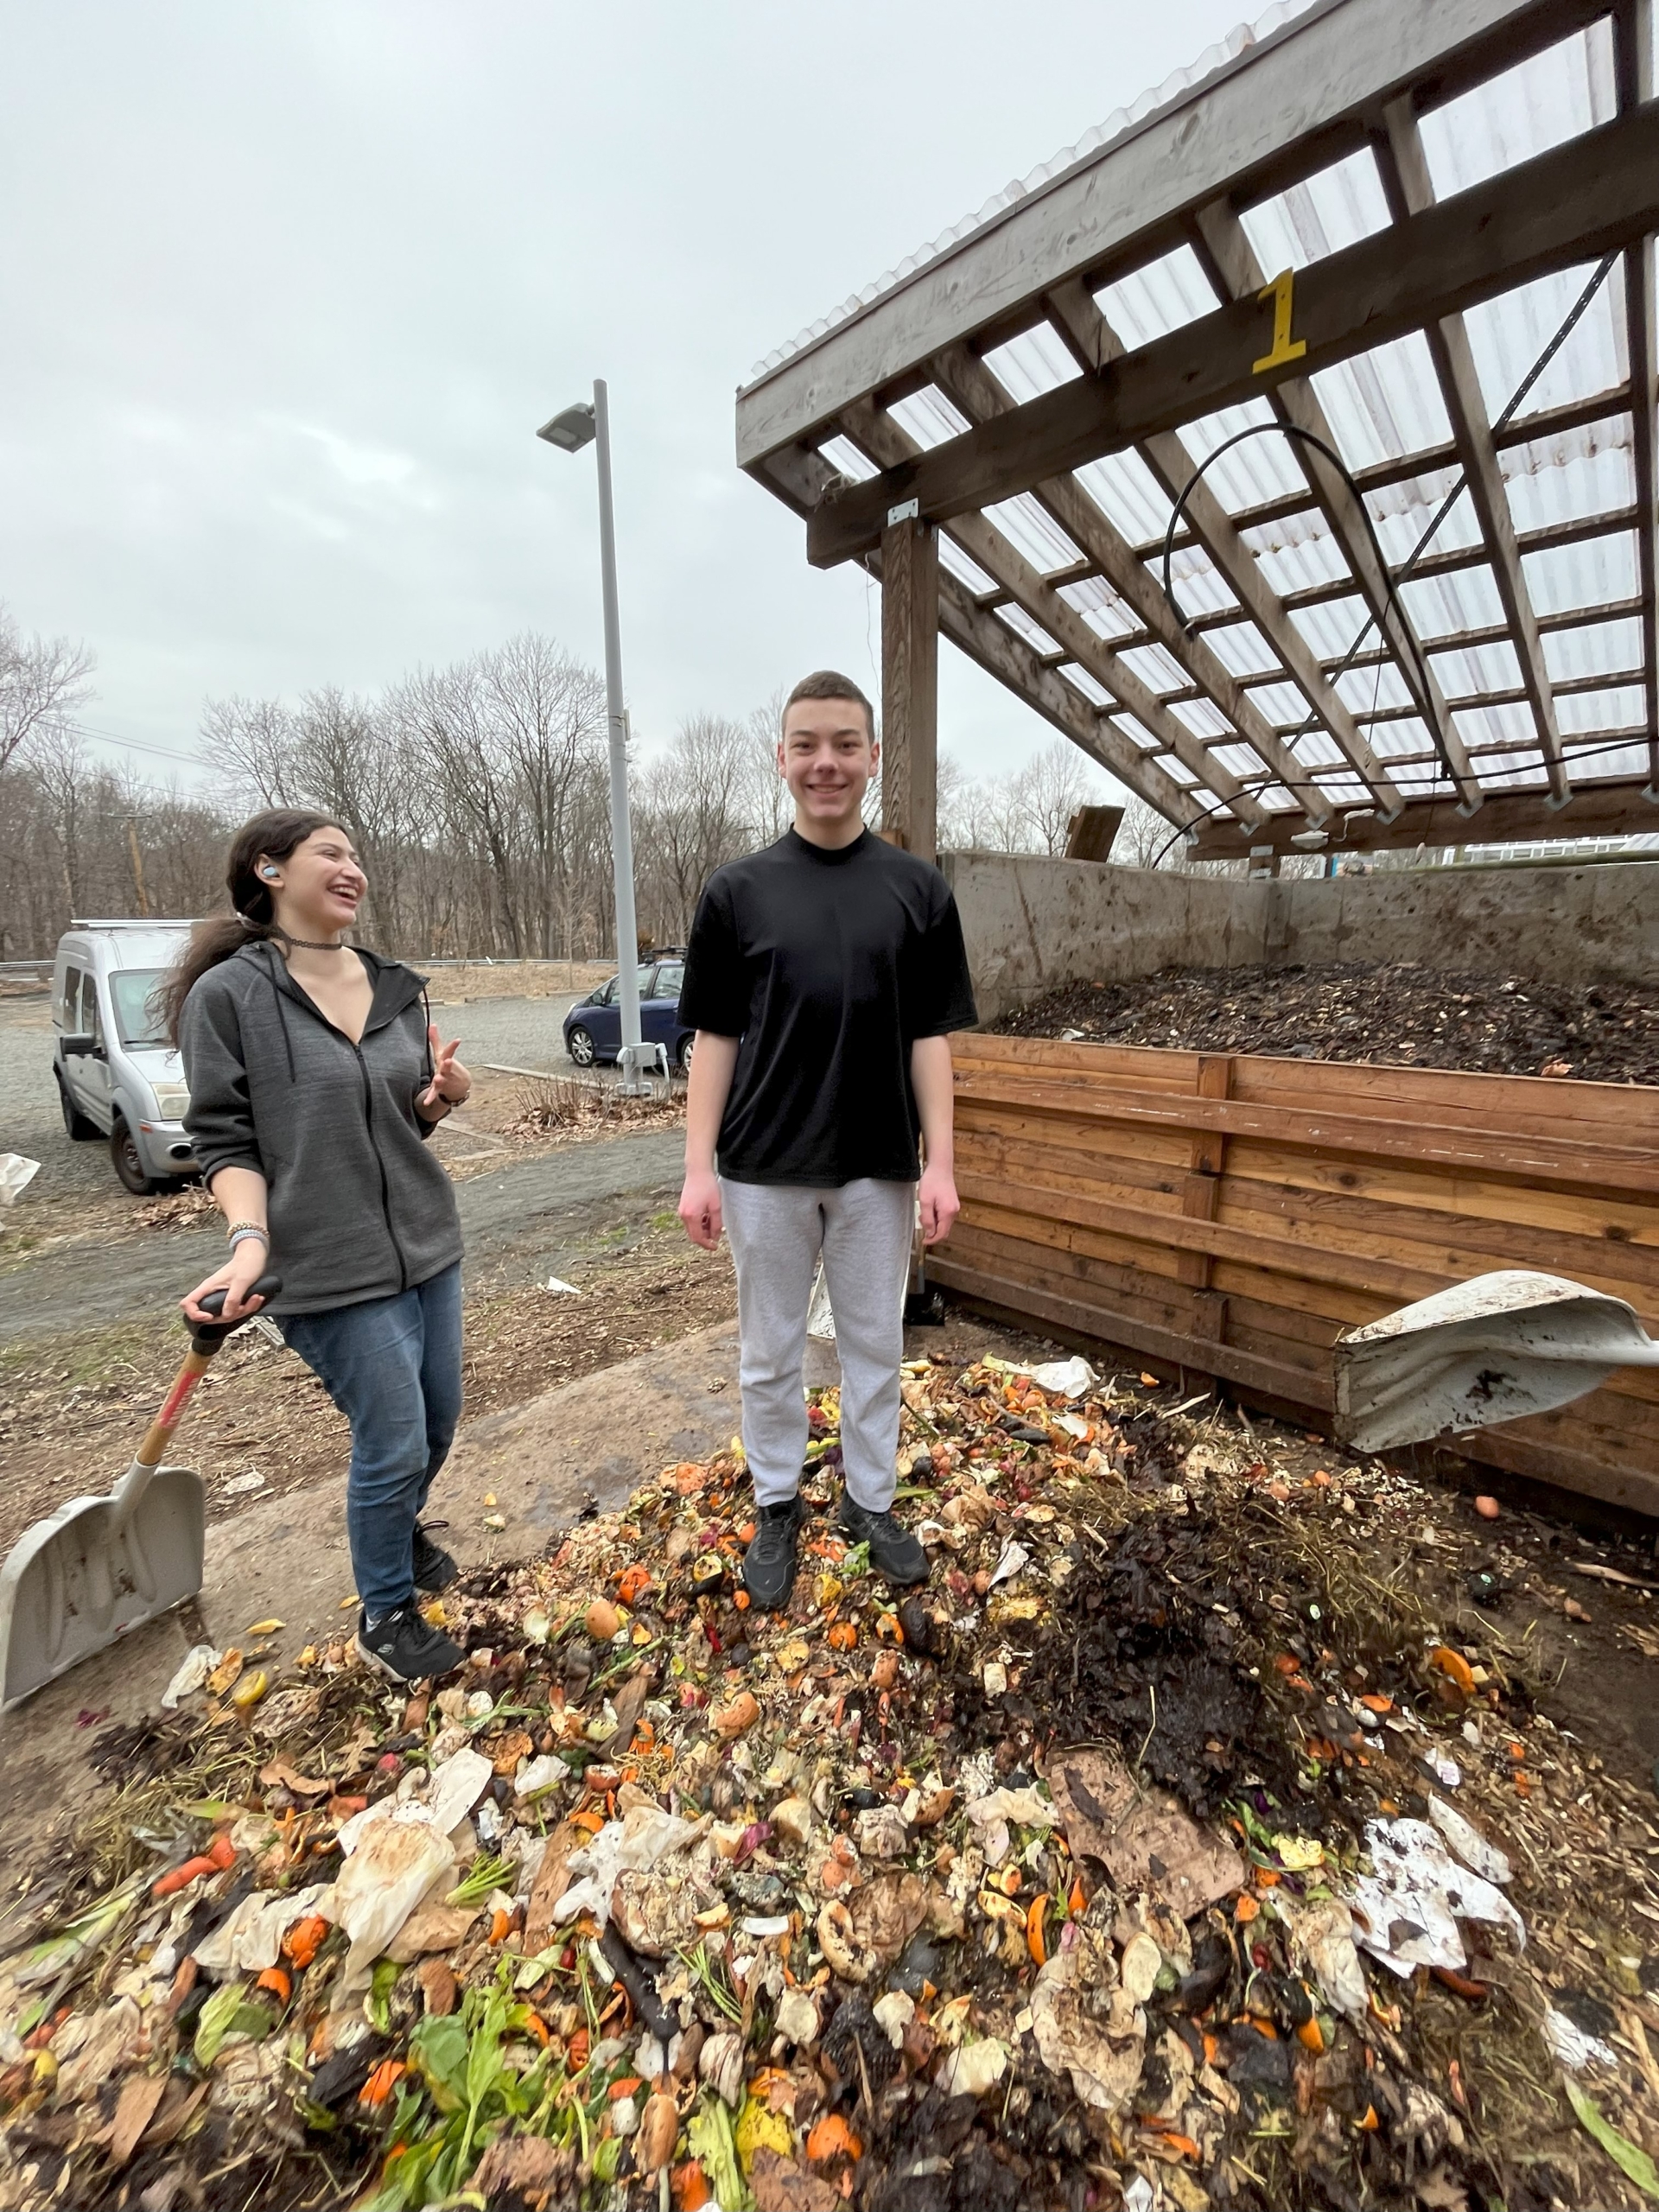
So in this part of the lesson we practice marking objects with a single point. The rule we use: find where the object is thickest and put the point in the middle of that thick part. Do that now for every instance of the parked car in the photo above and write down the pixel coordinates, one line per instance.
(117, 1077)
(592, 1028)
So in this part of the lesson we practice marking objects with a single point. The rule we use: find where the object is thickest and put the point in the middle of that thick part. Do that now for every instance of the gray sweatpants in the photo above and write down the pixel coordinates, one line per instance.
(863, 1230)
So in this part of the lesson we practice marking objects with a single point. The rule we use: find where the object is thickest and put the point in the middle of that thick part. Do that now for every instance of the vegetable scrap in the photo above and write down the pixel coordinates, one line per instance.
(1128, 1863)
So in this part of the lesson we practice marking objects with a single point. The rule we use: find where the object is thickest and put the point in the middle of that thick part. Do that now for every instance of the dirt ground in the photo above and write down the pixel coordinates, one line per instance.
(1366, 1011)
(262, 1424)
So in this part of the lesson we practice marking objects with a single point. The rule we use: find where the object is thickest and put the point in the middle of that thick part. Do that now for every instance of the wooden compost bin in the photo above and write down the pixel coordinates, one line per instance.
(1232, 1214)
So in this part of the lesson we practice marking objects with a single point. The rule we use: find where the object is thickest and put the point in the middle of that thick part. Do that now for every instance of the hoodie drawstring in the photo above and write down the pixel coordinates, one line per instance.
(281, 1016)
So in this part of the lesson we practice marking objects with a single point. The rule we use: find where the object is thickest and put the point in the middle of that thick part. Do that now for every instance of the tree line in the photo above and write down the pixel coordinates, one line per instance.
(478, 796)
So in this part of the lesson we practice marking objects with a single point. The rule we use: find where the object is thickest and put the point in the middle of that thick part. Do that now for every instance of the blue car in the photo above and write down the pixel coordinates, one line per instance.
(592, 1028)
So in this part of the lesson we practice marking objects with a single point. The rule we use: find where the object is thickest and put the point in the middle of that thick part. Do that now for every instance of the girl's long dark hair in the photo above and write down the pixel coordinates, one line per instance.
(275, 833)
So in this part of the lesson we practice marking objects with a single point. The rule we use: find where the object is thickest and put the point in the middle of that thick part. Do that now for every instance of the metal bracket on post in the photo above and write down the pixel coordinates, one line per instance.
(635, 1063)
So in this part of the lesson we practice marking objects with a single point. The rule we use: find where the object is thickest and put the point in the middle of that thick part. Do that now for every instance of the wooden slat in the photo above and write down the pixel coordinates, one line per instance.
(1534, 1105)
(1448, 1239)
(1597, 1166)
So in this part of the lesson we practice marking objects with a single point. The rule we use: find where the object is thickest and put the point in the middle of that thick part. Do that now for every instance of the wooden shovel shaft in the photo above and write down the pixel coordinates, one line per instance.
(159, 1434)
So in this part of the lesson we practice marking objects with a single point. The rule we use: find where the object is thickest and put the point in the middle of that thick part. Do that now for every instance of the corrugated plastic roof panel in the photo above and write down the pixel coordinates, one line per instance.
(1571, 485)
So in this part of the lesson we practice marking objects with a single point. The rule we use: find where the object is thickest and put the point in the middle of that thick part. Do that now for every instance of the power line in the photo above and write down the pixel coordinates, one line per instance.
(138, 745)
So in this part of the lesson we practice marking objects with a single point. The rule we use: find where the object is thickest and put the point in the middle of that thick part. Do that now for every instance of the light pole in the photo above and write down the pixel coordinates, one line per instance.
(571, 429)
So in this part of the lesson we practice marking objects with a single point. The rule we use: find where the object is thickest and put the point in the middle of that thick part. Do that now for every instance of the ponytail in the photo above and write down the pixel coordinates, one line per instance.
(273, 835)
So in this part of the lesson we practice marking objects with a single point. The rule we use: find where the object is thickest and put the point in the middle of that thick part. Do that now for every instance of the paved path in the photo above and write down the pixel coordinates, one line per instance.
(518, 1221)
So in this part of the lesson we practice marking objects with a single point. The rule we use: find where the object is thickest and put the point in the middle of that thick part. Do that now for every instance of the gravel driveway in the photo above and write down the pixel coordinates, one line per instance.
(525, 1032)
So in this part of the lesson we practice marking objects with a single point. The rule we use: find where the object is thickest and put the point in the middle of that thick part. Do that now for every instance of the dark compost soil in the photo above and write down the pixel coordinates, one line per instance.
(1365, 1011)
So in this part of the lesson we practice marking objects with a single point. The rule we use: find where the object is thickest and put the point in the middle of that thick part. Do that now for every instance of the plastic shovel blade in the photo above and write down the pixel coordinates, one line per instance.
(75, 1582)
(1494, 1348)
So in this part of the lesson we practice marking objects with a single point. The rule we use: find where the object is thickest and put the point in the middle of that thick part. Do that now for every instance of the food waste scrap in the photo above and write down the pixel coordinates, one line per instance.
(1167, 1849)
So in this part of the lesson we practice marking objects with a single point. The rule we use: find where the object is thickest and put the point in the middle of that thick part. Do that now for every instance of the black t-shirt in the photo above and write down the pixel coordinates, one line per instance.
(828, 965)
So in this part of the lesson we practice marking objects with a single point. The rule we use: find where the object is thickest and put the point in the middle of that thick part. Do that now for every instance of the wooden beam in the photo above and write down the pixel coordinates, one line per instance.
(1565, 207)
(1380, 475)
(1611, 808)
(1096, 343)
(1633, 35)
(974, 392)
(1580, 532)
(910, 685)
(1404, 164)
(993, 647)
(1234, 270)
(1284, 107)
(888, 441)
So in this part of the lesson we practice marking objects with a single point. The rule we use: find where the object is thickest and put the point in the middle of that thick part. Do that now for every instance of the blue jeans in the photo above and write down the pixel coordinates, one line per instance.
(392, 1365)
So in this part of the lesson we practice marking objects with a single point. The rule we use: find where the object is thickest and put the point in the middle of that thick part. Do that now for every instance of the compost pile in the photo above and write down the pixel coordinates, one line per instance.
(1368, 1010)
(1165, 1850)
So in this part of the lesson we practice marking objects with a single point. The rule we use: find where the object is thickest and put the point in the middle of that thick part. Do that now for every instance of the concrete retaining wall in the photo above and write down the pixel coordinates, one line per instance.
(1033, 922)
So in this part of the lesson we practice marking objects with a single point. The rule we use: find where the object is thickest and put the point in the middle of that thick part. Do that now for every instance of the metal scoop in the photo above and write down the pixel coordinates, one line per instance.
(1493, 1349)
(100, 1566)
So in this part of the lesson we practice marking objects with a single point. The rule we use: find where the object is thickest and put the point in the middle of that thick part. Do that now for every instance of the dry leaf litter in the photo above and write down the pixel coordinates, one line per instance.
(1164, 1851)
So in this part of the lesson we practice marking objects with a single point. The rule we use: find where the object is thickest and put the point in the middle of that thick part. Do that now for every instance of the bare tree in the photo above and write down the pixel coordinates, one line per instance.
(252, 745)
(1055, 785)
(771, 809)
(42, 682)
(693, 817)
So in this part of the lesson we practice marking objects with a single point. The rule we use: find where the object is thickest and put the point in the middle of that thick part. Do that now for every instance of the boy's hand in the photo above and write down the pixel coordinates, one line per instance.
(939, 1203)
(699, 1208)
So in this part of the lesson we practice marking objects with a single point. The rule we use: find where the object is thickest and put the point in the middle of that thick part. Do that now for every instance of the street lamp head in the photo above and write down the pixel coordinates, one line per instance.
(571, 429)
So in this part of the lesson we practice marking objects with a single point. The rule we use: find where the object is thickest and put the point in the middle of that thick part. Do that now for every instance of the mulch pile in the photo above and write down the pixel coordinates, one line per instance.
(1171, 1848)
(1364, 1012)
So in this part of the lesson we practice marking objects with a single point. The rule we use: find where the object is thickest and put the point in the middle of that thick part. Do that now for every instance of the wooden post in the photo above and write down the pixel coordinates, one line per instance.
(1199, 1193)
(909, 684)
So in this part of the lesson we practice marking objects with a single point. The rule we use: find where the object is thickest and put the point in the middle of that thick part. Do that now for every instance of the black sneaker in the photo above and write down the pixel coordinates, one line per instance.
(895, 1552)
(434, 1569)
(401, 1645)
(769, 1563)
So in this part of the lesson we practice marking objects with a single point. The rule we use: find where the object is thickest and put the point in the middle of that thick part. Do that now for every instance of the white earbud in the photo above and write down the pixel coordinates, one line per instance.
(270, 874)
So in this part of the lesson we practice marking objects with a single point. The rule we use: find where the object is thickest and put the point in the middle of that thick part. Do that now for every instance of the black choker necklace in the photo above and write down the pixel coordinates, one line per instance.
(310, 945)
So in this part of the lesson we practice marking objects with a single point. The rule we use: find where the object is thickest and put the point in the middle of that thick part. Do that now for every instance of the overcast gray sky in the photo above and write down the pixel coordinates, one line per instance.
(286, 288)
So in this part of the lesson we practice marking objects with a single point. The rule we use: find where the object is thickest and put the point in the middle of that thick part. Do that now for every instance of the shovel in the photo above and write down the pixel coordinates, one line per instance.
(1492, 1349)
(100, 1566)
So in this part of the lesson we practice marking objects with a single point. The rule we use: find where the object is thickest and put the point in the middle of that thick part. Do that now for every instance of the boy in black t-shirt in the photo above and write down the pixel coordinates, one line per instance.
(823, 978)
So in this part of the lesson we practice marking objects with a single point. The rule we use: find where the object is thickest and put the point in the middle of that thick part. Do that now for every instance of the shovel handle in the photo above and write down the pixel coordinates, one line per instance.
(206, 1338)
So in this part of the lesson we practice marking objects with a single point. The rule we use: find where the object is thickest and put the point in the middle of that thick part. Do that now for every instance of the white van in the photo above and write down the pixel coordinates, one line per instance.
(117, 1077)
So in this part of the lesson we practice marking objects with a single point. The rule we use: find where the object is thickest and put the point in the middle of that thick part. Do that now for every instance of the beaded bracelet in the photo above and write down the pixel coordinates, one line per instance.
(239, 1230)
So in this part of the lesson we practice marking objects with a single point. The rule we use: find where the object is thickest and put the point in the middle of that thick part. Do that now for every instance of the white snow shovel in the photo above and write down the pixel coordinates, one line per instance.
(100, 1566)
(1493, 1349)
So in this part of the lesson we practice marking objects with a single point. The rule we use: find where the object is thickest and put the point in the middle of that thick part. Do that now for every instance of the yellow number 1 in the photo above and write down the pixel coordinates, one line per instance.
(1285, 348)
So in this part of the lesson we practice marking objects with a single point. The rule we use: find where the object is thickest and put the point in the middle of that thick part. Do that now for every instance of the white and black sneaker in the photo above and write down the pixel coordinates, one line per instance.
(435, 1570)
(401, 1645)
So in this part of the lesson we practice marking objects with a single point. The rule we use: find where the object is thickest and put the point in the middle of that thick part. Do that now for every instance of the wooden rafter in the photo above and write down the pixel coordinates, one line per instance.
(1290, 103)
(995, 649)
(1234, 269)
(1580, 532)
(1381, 475)
(1599, 809)
(888, 442)
(976, 393)
(1078, 319)
(1595, 193)
(1406, 181)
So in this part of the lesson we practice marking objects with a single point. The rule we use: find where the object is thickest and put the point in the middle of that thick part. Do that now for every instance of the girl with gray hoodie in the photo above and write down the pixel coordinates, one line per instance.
(315, 1080)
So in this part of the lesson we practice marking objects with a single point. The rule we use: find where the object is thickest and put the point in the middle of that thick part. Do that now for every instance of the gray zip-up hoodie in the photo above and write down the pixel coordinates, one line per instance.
(359, 1208)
